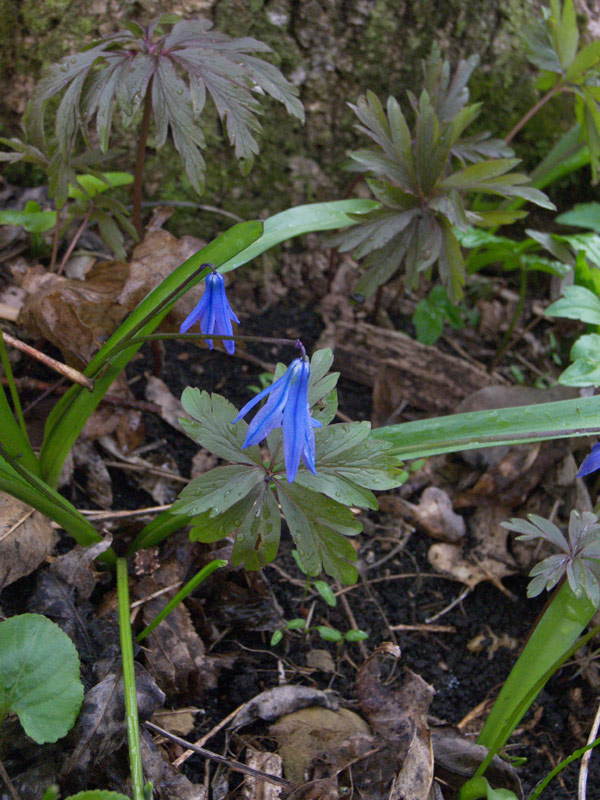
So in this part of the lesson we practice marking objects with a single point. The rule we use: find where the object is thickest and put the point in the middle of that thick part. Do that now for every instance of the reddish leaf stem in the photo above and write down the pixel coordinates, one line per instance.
(139, 161)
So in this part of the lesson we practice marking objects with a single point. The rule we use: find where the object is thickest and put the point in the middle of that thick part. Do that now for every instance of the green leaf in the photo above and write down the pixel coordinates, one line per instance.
(39, 676)
(326, 592)
(473, 430)
(315, 523)
(217, 490)
(566, 35)
(472, 176)
(257, 540)
(301, 219)
(586, 59)
(276, 637)
(92, 185)
(297, 624)
(582, 215)
(209, 529)
(329, 634)
(585, 370)
(339, 488)
(211, 426)
(356, 635)
(33, 221)
(576, 303)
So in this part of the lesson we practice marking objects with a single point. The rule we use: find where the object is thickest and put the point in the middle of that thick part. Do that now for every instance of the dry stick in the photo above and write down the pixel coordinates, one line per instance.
(585, 761)
(234, 765)
(8, 783)
(76, 238)
(189, 752)
(97, 514)
(68, 372)
(532, 111)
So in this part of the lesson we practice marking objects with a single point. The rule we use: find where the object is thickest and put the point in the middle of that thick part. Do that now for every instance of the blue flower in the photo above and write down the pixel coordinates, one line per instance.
(287, 408)
(591, 462)
(214, 312)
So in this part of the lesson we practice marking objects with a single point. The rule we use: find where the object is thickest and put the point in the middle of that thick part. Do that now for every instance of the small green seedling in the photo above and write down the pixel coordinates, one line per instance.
(325, 632)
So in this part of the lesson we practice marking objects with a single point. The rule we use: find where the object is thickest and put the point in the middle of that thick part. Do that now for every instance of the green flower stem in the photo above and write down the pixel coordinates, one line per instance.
(186, 590)
(199, 337)
(556, 632)
(559, 768)
(131, 709)
(12, 386)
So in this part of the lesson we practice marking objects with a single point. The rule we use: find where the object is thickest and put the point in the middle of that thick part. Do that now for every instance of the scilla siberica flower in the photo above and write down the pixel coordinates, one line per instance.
(591, 462)
(287, 407)
(214, 312)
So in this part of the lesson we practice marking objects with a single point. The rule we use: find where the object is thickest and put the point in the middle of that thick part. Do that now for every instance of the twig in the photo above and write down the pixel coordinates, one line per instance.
(466, 591)
(8, 783)
(97, 514)
(68, 372)
(425, 628)
(203, 739)
(585, 761)
(74, 241)
(234, 765)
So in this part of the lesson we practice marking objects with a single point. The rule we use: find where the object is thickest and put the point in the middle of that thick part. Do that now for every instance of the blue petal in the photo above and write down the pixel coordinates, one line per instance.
(296, 421)
(251, 403)
(591, 463)
(214, 312)
(193, 318)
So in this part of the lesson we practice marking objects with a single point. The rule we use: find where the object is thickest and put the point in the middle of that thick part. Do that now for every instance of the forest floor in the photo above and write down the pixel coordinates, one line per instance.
(439, 577)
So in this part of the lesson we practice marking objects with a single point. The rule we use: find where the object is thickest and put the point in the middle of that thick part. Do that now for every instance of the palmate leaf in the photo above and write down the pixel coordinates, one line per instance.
(422, 193)
(319, 526)
(211, 426)
(121, 70)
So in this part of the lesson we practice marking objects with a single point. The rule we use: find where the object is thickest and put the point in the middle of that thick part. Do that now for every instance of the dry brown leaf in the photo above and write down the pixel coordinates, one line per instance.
(415, 779)
(314, 734)
(74, 314)
(515, 475)
(26, 539)
(433, 514)
(179, 721)
(153, 260)
(174, 653)
(171, 409)
(126, 423)
(280, 700)
(457, 757)
(254, 789)
(98, 484)
(488, 557)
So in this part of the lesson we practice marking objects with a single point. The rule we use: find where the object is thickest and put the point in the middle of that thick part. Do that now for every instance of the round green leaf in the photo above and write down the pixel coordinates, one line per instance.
(39, 676)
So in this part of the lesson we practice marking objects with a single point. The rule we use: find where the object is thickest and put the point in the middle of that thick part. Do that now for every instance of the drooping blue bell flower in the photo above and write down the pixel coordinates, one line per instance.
(591, 462)
(287, 407)
(214, 312)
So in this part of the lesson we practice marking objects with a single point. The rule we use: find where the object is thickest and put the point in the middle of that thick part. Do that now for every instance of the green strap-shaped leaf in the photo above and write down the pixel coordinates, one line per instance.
(473, 430)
